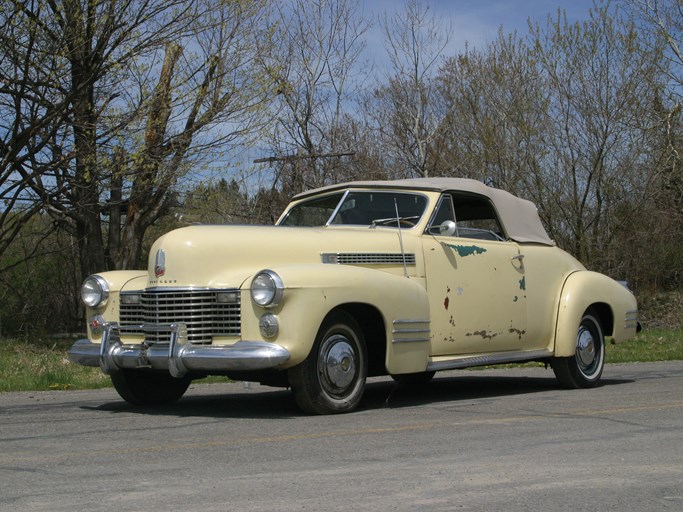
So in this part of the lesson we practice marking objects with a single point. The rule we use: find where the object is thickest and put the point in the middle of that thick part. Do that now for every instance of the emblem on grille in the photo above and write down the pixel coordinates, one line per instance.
(160, 263)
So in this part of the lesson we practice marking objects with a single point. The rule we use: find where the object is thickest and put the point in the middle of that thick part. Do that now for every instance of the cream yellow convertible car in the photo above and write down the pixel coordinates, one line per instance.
(401, 278)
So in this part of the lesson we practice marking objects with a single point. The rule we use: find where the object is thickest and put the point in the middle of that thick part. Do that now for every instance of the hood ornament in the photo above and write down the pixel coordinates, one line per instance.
(160, 263)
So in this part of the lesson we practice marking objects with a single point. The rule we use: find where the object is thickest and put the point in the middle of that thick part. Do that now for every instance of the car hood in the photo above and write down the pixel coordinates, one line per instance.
(225, 256)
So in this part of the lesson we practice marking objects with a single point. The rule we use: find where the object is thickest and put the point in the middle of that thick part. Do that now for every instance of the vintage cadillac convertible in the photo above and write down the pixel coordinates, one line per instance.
(401, 278)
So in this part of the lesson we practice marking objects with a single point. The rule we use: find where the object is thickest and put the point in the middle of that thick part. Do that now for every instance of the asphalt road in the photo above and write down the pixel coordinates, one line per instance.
(483, 440)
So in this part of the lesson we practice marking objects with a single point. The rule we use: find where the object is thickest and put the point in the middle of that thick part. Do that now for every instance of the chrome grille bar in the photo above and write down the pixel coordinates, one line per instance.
(199, 309)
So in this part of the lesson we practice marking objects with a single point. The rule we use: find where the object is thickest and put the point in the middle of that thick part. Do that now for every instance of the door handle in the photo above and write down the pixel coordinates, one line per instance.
(519, 257)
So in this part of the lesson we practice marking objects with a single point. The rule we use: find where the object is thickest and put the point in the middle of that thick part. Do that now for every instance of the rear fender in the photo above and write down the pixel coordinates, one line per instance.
(615, 306)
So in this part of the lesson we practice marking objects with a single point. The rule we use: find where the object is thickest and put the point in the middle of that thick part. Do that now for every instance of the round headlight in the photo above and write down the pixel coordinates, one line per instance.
(95, 291)
(267, 289)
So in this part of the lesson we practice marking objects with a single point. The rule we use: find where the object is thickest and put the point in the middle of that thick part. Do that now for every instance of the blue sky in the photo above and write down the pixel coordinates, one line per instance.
(477, 21)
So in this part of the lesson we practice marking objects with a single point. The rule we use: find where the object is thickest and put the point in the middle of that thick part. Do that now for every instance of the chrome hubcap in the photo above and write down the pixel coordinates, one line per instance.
(585, 348)
(337, 363)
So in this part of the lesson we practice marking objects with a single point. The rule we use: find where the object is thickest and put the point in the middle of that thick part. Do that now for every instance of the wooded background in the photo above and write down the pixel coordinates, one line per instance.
(122, 119)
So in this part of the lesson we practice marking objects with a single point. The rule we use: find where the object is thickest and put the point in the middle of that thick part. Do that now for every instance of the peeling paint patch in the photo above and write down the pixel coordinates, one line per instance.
(522, 283)
(517, 331)
(487, 335)
(459, 291)
(452, 321)
(467, 250)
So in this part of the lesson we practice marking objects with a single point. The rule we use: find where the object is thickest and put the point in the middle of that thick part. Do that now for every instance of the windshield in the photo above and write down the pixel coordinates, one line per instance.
(359, 208)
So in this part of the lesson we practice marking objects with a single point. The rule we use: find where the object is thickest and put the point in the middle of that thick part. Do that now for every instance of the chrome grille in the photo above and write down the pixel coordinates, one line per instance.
(200, 310)
(368, 258)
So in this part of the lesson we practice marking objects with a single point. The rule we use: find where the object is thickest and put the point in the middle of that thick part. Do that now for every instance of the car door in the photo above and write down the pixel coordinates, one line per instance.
(475, 280)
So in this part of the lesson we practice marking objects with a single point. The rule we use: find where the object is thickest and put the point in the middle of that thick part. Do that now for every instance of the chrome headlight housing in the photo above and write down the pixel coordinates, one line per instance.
(267, 289)
(95, 291)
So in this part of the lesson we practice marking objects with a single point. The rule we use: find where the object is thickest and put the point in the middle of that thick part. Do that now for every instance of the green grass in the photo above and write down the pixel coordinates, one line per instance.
(43, 365)
(654, 345)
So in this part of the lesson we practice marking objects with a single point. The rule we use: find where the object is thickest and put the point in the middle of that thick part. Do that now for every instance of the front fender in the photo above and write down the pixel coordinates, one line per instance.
(584, 289)
(117, 280)
(312, 291)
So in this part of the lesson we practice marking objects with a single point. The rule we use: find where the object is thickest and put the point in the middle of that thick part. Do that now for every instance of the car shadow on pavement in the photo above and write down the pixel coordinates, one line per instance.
(464, 388)
(268, 403)
(233, 401)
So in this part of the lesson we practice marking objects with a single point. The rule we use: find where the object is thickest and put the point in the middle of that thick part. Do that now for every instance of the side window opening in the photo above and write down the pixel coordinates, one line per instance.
(476, 218)
(466, 216)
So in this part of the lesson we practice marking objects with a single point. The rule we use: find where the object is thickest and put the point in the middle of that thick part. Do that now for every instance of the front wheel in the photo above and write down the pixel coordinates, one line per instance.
(584, 368)
(332, 378)
(148, 388)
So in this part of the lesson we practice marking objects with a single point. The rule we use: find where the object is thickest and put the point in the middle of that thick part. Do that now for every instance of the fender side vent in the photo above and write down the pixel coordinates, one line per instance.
(368, 258)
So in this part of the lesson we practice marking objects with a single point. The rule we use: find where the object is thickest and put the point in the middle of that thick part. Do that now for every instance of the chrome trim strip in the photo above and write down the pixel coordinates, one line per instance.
(178, 356)
(504, 357)
(410, 340)
(631, 319)
(412, 327)
(176, 289)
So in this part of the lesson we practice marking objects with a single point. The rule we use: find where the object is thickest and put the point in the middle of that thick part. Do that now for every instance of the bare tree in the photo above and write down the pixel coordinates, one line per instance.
(209, 96)
(599, 115)
(82, 46)
(123, 95)
(30, 113)
(495, 105)
(318, 44)
(404, 110)
(661, 25)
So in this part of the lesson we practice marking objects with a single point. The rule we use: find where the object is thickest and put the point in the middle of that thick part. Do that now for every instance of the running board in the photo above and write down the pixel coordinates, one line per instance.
(501, 358)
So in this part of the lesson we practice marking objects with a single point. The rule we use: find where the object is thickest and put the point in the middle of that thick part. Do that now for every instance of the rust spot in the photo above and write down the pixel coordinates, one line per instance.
(452, 321)
(487, 335)
(517, 331)
(446, 302)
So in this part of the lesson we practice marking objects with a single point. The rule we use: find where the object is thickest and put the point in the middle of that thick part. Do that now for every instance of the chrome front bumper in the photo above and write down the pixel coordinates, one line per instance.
(177, 356)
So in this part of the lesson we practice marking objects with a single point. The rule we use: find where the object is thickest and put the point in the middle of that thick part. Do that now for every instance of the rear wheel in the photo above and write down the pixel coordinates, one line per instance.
(332, 378)
(584, 368)
(147, 388)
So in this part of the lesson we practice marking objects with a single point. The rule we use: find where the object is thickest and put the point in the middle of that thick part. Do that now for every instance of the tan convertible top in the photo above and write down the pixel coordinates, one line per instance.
(518, 216)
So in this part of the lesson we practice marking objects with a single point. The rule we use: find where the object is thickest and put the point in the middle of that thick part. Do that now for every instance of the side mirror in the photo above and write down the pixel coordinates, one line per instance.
(446, 228)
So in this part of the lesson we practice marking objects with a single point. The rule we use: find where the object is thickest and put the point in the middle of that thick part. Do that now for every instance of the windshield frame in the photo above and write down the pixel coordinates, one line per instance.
(344, 196)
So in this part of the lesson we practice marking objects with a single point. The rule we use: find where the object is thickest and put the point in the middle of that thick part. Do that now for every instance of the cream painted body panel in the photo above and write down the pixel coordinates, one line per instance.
(117, 280)
(225, 256)
(314, 291)
(477, 295)
(583, 290)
